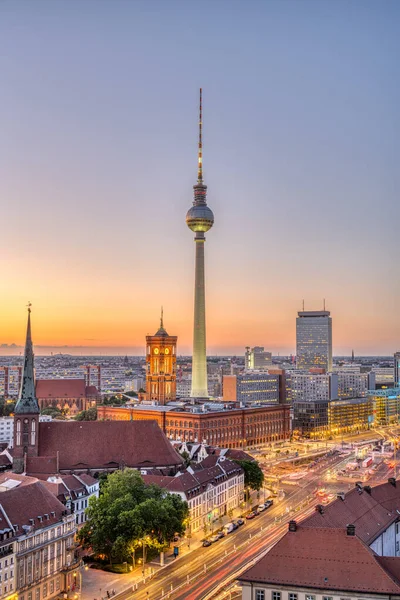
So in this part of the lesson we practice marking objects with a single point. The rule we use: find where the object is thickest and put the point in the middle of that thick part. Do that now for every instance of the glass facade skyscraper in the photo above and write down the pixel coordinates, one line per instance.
(314, 340)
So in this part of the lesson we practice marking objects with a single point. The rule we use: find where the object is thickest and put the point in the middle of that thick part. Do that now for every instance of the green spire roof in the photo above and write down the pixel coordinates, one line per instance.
(27, 402)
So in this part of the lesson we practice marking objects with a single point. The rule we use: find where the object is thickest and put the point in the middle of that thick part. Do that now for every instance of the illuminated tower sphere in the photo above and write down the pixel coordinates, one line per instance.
(199, 219)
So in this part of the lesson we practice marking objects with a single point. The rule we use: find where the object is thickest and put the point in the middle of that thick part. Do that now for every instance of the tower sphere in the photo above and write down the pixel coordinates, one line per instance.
(200, 218)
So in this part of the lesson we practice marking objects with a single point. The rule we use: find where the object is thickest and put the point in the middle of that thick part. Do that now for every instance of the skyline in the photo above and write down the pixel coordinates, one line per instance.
(100, 159)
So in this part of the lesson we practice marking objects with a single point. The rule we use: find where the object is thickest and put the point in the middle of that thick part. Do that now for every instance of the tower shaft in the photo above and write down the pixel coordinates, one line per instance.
(199, 360)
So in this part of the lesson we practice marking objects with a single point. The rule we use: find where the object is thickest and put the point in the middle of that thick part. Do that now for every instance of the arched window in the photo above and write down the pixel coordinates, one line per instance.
(19, 432)
(33, 432)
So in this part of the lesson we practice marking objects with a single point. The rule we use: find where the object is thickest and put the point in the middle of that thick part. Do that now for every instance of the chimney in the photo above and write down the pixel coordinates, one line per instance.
(292, 526)
(351, 530)
(319, 508)
(392, 481)
(341, 496)
(368, 489)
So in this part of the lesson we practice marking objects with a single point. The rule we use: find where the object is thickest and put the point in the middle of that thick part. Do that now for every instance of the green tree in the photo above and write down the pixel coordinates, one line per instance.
(87, 415)
(128, 513)
(52, 411)
(253, 475)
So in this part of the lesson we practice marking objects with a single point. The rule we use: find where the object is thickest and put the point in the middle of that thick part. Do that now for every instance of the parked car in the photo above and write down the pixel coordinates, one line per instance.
(206, 543)
(221, 534)
(268, 503)
(261, 508)
(214, 538)
(251, 515)
(228, 528)
(235, 525)
(240, 522)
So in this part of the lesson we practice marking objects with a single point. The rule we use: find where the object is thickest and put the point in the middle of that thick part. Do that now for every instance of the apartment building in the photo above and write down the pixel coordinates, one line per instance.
(212, 488)
(38, 559)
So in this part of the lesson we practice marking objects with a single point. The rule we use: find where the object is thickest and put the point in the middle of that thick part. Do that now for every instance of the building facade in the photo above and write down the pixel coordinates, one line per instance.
(311, 387)
(396, 375)
(69, 395)
(212, 488)
(161, 366)
(38, 559)
(310, 418)
(314, 340)
(228, 428)
(251, 387)
(10, 381)
(351, 415)
(256, 358)
(354, 385)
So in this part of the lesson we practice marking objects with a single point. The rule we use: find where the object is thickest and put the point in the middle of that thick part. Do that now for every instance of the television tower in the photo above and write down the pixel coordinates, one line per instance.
(199, 219)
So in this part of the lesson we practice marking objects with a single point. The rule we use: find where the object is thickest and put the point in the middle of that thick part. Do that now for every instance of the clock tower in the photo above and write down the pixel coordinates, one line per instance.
(161, 365)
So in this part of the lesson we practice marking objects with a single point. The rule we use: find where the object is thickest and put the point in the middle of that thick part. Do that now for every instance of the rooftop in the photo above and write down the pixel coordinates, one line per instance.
(326, 559)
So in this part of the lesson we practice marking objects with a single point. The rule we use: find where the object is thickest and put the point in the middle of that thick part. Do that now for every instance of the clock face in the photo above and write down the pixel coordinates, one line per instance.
(166, 351)
(156, 351)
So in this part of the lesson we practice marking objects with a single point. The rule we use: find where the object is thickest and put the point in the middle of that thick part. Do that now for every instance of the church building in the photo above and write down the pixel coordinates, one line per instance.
(82, 446)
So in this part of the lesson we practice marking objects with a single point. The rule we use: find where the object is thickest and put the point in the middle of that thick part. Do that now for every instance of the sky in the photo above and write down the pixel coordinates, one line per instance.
(98, 121)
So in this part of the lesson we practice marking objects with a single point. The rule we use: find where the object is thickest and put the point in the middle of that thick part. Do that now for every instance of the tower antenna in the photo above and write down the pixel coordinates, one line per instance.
(303, 305)
(324, 305)
(162, 318)
(200, 153)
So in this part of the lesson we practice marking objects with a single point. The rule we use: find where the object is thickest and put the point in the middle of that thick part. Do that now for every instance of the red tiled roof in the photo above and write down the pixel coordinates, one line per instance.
(87, 479)
(362, 510)
(63, 388)
(103, 444)
(325, 558)
(28, 502)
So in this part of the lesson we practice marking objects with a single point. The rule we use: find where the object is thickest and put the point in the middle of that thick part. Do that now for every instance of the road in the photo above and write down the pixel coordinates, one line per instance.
(197, 573)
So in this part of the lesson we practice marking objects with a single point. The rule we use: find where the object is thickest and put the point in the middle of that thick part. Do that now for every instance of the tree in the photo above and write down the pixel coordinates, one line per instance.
(52, 411)
(6, 407)
(128, 513)
(253, 475)
(87, 415)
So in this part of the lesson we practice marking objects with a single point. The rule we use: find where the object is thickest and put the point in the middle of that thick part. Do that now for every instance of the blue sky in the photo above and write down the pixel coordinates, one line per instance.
(98, 113)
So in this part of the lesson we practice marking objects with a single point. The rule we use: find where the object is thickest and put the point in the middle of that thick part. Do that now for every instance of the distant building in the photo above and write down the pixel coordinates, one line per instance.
(256, 358)
(161, 366)
(314, 340)
(310, 418)
(212, 423)
(311, 387)
(397, 368)
(251, 387)
(351, 415)
(386, 405)
(354, 385)
(383, 375)
(71, 395)
(10, 381)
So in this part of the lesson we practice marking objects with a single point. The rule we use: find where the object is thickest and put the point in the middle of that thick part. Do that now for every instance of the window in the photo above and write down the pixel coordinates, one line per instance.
(45, 590)
(277, 596)
(37, 594)
(260, 595)
(292, 596)
(57, 583)
(310, 597)
(397, 546)
(51, 588)
(327, 597)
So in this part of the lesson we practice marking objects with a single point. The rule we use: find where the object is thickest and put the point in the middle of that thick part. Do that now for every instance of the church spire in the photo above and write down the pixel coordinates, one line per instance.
(27, 402)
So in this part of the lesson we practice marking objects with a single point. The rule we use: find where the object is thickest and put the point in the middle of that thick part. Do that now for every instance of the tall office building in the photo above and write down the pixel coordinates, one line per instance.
(199, 219)
(256, 358)
(397, 369)
(314, 340)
